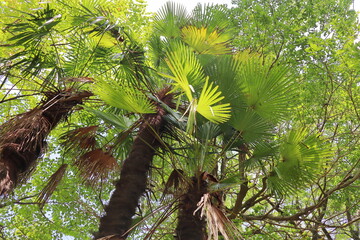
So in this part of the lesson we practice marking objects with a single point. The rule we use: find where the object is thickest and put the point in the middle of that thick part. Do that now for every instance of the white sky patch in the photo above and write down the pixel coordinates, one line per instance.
(356, 5)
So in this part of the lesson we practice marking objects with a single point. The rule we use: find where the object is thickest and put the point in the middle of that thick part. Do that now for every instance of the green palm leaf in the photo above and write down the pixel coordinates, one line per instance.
(222, 70)
(169, 20)
(209, 96)
(210, 16)
(121, 123)
(251, 125)
(267, 88)
(206, 42)
(185, 67)
(189, 77)
(302, 157)
(124, 97)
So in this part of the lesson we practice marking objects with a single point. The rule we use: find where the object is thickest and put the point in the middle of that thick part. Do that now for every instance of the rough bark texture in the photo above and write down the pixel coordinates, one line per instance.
(22, 139)
(191, 226)
(133, 176)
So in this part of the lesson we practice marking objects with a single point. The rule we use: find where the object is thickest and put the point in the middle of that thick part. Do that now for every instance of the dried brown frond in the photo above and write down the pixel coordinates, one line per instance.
(216, 220)
(21, 143)
(27, 130)
(80, 139)
(22, 138)
(176, 180)
(51, 185)
(209, 177)
(96, 165)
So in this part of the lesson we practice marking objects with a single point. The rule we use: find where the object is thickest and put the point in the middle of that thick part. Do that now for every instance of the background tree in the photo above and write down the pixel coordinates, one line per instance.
(313, 41)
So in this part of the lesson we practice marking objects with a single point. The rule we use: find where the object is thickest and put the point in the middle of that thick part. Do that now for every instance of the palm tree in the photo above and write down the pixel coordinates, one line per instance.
(260, 93)
(55, 58)
(153, 106)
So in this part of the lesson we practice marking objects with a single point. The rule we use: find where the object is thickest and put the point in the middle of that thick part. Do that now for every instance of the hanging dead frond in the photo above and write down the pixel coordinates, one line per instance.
(216, 220)
(96, 165)
(175, 180)
(22, 138)
(207, 176)
(51, 185)
(80, 139)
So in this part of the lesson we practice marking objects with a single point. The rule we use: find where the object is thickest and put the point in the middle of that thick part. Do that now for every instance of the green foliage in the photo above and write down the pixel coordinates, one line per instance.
(208, 97)
(301, 160)
(124, 97)
(205, 42)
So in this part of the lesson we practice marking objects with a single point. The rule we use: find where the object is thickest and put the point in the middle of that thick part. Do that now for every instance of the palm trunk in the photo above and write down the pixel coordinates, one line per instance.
(22, 139)
(190, 225)
(133, 177)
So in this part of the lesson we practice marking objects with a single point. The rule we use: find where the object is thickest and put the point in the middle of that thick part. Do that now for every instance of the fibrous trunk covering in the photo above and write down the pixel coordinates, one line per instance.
(22, 139)
(190, 224)
(133, 176)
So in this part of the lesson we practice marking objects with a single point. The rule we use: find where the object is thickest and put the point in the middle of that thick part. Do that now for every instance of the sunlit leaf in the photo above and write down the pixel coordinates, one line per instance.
(124, 98)
(206, 42)
(206, 104)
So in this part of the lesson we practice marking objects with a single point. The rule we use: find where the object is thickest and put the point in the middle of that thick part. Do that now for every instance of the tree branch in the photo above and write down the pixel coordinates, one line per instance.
(344, 183)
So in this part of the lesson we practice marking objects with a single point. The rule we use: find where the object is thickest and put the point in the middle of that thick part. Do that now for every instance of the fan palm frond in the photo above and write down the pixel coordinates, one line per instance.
(262, 151)
(185, 67)
(207, 131)
(111, 118)
(169, 20)
(222, 70)
(38, 33)
(251, 126)
(302, 159)
(205, 106)
(201, 156)
(227, 183)
(205, 42)
(37, 25)
(124, 97)
(189, 76)
(210, 16)
(267, 89)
